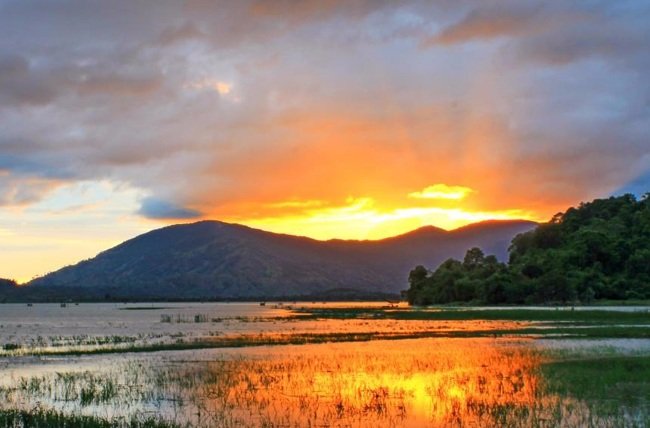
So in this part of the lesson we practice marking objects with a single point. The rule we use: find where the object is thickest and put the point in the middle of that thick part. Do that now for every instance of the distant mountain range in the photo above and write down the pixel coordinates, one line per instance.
(215, 260)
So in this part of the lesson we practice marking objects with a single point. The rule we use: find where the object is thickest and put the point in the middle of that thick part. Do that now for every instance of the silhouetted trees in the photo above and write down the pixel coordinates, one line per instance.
(4, 282)
(599, 250)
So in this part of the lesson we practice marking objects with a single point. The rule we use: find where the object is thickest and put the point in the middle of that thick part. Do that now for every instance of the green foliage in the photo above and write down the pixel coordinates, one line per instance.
(477, 278)
(599, 250)
(609, 384)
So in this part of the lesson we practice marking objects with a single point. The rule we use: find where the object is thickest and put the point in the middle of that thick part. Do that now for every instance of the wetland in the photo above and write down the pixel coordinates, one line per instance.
(349, 364)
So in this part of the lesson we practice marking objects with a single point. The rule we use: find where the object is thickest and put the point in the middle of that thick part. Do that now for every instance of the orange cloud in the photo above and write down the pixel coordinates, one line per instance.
(223, 88)
(301, 128)
(364, 218)
(442, 191)
(302, 182)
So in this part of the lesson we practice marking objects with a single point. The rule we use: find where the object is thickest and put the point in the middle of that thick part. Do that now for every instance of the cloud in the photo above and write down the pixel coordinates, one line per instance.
(296, 204)
(364, 218)
(176, 34)
(158, 209)
(332, 100)
(492, 21)
(20, 86)
(555, 33)
(218, 86)
(22, 191)
(442, 191)
(610, 39)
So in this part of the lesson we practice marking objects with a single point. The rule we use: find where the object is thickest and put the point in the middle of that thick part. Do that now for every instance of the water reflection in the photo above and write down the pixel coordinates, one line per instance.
(409, 383)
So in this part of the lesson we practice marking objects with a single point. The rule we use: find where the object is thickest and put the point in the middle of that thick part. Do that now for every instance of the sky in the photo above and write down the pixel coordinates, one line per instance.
(354, 119)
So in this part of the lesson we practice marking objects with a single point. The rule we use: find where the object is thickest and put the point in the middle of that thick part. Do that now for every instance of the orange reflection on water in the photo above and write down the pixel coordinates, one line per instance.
(433, 382)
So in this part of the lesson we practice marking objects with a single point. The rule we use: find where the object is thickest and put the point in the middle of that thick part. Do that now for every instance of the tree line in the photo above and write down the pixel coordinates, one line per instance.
(5, 282)
(598, 250)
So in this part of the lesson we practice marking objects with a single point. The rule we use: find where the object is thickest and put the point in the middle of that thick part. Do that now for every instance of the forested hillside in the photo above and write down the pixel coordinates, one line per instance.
(599, 250)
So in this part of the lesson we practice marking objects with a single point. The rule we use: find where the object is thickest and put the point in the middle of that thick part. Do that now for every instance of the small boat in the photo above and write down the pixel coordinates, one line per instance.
(63, 305)
(262, 303)
(30, 305)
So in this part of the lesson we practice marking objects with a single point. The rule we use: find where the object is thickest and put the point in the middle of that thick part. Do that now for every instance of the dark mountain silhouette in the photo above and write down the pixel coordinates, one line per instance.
(211, 259)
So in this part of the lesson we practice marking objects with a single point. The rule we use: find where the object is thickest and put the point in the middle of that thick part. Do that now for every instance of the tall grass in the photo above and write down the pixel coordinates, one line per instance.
(435, 382)
(47, 418)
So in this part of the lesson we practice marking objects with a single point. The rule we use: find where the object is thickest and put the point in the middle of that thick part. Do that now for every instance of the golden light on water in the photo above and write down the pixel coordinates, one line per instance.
(302, 381)
(412, 383)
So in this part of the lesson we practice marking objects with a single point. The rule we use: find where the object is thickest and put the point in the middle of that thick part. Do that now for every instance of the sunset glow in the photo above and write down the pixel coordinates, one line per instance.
(442, 191)
(222, 88)
(349, 120)
(365, 218)
(320, 213)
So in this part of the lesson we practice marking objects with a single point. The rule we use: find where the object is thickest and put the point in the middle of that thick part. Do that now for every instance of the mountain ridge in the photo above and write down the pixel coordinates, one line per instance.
(215, 259)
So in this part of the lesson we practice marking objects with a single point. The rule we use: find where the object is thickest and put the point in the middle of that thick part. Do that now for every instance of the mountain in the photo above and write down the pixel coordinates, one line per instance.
(212, 259)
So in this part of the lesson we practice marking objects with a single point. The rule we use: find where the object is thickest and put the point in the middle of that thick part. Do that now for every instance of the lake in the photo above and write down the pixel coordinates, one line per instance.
(322, 364)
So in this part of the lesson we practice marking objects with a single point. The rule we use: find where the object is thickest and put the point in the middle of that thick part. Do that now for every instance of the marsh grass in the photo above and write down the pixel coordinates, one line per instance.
(352, 325)
(205, 318)
(216, 340)
(62, 345)
(435, 382)
(559, 315)
(48, 418)
(400, 367)
(615, 386)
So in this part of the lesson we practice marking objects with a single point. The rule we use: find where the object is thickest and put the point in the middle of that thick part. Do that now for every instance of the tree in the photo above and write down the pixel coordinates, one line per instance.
(5, 282)
(474, 258)
(598, 250)
(417, 275)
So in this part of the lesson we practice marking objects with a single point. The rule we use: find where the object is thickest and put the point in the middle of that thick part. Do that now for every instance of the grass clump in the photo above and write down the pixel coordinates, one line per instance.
(613, 385)
(47, 418)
